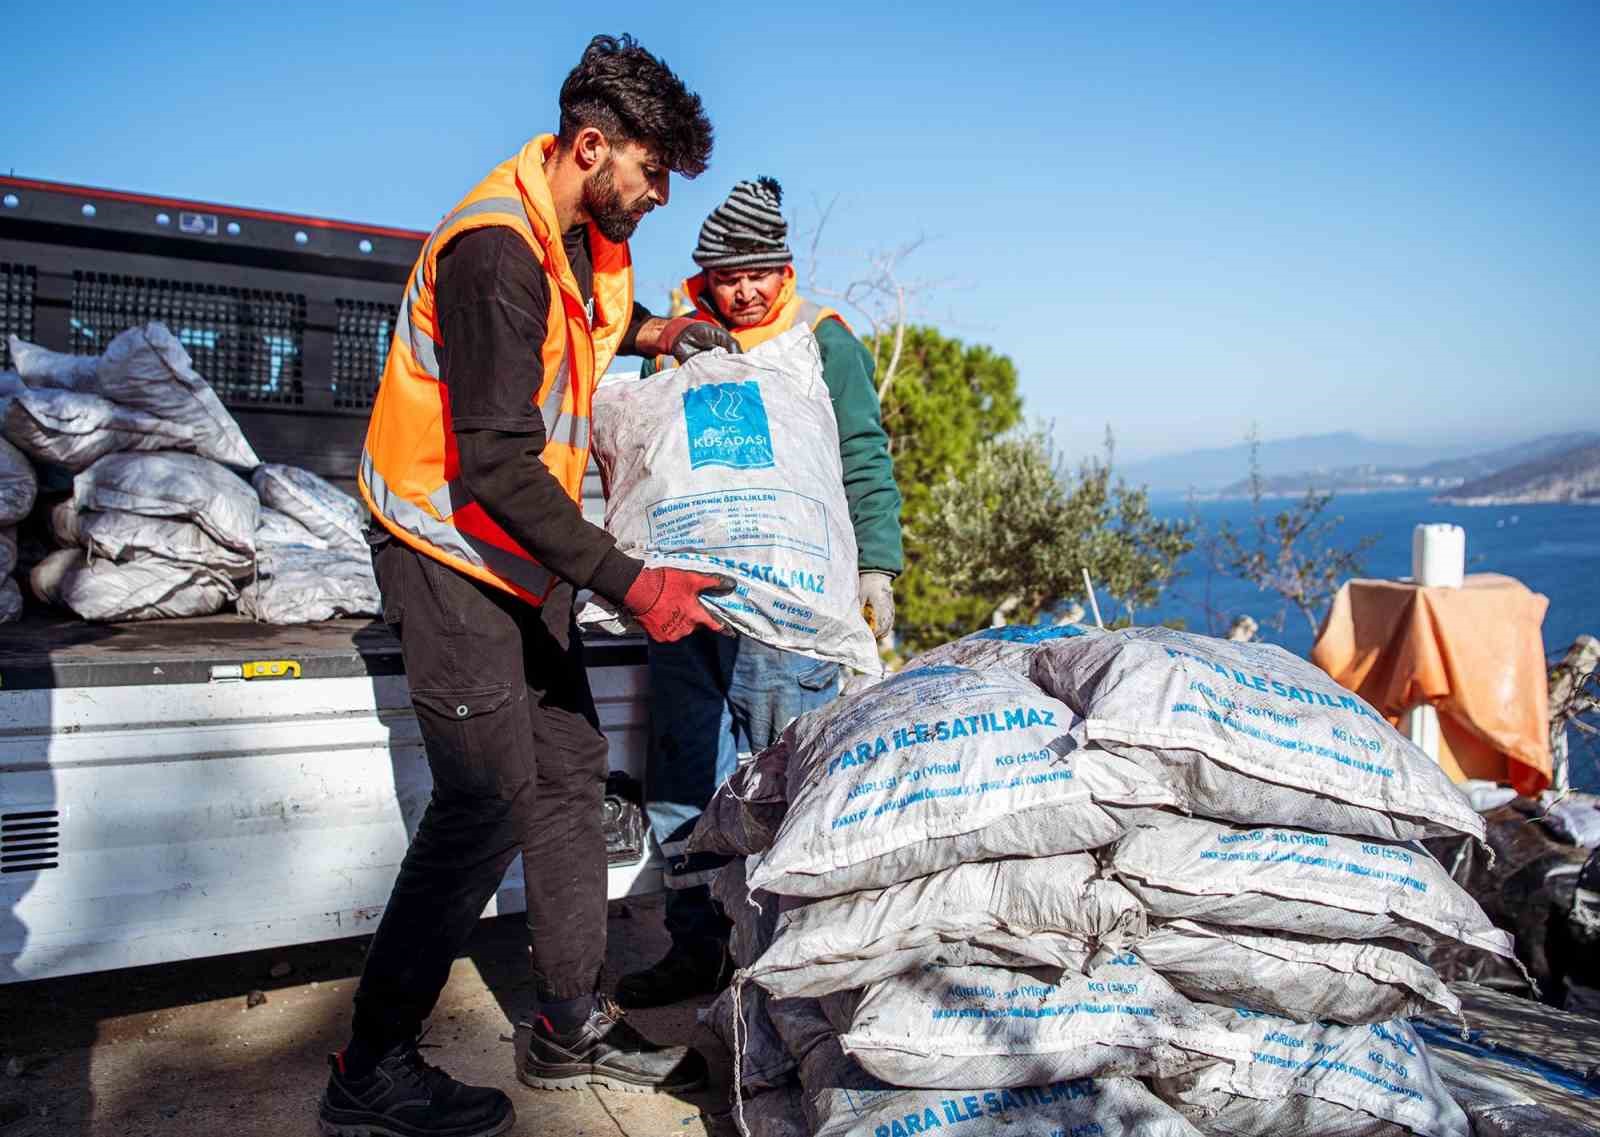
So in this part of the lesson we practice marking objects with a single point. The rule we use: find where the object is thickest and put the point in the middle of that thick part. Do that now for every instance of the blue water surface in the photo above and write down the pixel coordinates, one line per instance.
(1553, 549)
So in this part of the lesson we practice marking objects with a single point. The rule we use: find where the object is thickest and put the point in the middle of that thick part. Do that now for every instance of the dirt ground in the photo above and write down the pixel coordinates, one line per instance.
(175, 1050)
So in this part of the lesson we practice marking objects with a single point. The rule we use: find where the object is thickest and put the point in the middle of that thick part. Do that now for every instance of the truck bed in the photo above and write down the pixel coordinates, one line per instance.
(55, 651)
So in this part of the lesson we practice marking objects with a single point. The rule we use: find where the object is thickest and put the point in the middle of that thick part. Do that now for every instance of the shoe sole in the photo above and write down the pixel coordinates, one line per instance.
(377, 1129)
(584, 1079)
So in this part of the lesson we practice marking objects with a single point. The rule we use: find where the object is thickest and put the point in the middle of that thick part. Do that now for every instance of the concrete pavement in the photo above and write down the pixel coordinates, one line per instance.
(174, 1050)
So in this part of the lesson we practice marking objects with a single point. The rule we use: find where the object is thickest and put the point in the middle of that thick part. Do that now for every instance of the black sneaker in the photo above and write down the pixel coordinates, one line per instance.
(687, 970)
(606, 1051)
(406, 1097)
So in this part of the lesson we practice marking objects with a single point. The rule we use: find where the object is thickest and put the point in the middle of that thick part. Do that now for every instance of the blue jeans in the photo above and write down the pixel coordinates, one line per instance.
(712, 698)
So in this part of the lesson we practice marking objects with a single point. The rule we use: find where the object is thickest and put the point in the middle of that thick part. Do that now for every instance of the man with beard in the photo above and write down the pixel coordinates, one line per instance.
(712, 696)
(473, 469)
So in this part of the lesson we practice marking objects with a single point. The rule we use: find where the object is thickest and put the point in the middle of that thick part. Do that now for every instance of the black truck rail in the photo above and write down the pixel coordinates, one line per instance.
(289, 317)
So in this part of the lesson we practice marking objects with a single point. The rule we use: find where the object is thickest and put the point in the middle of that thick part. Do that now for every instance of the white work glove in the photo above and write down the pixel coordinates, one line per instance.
(877, 602)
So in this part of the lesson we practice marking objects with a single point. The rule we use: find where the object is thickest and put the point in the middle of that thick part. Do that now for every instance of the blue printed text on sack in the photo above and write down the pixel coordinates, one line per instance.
(993, 1103)
(1269, 686)
(942, 730)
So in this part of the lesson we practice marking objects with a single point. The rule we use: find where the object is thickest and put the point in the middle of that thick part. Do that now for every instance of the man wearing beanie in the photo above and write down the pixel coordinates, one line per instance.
(712, 696)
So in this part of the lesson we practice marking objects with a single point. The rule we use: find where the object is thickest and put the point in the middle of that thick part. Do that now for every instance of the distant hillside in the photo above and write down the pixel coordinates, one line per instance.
(1446, 474)
(1212, 469)
(1571, 476)
(1496, 461)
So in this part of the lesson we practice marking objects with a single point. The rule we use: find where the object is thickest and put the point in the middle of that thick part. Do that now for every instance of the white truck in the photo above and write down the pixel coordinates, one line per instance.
(183, 788)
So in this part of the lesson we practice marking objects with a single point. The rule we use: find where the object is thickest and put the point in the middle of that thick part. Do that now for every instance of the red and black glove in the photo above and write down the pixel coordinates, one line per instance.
(686, 336)
(666, 602)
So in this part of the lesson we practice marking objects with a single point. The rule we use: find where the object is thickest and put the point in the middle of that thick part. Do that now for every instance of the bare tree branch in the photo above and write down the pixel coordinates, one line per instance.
(882, 296)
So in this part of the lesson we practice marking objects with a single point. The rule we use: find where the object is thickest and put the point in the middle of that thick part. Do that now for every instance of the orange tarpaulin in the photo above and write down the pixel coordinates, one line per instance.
(1474, 652)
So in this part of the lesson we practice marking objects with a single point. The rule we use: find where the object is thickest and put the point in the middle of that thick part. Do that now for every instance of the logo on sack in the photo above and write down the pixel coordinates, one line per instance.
(727, 425)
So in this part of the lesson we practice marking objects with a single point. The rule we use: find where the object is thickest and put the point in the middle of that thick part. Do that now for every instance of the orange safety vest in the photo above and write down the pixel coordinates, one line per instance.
(410, 468)
(788, 309)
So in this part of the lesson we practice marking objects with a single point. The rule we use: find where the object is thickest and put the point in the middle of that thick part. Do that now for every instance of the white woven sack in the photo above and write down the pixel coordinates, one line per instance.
(277, 530)
(1333, 1081)
(765, 1063)
(936, 767)
(120, 536)
(1260, 735)
(1044, 912)
(41, 367)
(1012, 646)
(985, 1026)
(744, 814)
(148, 369)
(174, 485)
(18, 484)
(10, 601)
(8, 550)
(302, 586)
(1298, 977)
(730, 464)
(74, 429)
(1101, 1107)
(1309, 884)
(327, 511)
(144, 589)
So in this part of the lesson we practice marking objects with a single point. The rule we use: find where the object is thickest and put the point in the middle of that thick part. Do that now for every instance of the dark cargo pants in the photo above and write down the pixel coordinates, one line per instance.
(519, 765)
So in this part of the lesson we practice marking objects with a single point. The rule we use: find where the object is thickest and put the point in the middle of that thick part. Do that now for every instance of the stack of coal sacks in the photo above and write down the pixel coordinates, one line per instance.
(1058, 878)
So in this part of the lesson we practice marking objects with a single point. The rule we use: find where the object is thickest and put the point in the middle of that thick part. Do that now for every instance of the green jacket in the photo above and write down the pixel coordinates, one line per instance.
(869, 487)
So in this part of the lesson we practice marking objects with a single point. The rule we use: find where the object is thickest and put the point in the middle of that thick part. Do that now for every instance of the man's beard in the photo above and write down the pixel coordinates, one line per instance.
(604, 205)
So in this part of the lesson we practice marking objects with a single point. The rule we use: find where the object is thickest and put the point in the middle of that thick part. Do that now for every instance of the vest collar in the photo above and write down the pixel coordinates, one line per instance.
(779, 318)
(540, 207)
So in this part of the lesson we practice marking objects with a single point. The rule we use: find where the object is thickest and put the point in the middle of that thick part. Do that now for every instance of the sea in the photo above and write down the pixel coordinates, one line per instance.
(1553, 549)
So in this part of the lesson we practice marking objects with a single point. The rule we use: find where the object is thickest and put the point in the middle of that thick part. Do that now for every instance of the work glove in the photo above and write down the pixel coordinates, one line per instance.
(686, 336)
(877, 602)
(666, 602)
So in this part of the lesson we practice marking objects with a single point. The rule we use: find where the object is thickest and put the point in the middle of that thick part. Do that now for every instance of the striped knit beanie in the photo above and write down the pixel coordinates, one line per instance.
(747, 230)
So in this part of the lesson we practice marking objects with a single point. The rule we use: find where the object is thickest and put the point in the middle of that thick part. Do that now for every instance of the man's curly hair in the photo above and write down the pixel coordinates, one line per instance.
(630, 95)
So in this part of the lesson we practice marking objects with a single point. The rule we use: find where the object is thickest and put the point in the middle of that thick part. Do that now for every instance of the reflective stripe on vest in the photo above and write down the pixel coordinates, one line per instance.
(527, 575)
(788, 310)
(409, 470)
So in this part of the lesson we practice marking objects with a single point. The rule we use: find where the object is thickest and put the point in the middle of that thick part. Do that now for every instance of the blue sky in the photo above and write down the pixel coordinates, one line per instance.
(1178, 218)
